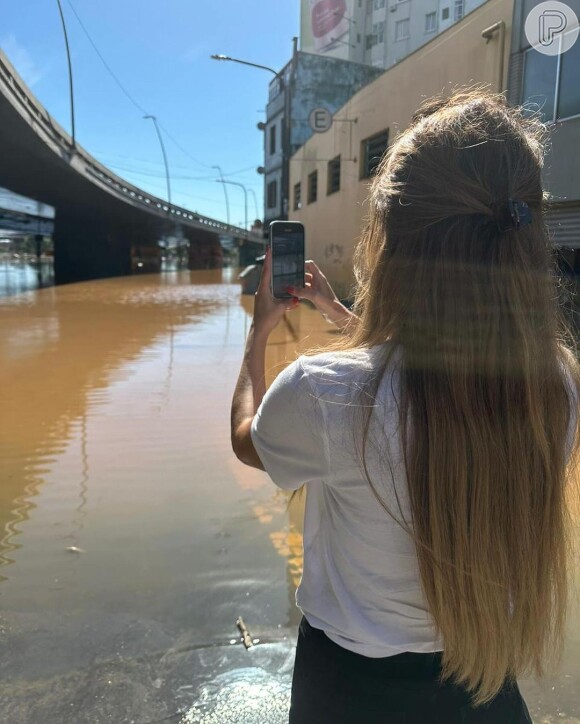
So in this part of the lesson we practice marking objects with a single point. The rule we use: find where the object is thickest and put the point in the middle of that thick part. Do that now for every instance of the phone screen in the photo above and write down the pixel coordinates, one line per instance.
(287, 241)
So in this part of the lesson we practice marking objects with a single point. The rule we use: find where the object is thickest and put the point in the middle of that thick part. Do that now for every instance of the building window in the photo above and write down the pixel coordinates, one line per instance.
(539, 87)
(369, 41)
(542, 95)
(297, 197)
(378, 33)
(458, 10)
(358, 37)
(379, 4)
(272, 139)
(312, 187)
(372, 151)
(430, 22)
(402, 29)
(333, 175)
(272, 194)
(445, 14)
(568, 103)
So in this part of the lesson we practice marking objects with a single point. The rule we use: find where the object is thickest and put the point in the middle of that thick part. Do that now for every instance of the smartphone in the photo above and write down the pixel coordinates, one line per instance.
(287, 249)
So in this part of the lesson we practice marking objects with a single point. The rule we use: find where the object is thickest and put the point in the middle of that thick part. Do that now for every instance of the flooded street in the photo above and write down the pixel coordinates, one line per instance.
(131, 538)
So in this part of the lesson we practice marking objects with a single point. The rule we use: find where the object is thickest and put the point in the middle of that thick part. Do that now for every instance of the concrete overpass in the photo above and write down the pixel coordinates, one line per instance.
(99, 216)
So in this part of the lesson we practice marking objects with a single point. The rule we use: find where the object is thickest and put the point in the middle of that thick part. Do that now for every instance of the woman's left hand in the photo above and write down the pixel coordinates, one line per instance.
(267, 310)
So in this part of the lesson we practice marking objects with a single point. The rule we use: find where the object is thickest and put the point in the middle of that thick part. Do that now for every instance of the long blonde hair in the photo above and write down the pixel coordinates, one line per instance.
(478, 316)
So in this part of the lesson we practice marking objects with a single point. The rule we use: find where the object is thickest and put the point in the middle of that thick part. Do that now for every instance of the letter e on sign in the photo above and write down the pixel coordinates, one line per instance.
(320, 120)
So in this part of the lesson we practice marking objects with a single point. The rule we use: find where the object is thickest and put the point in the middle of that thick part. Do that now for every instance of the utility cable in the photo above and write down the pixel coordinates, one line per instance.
(126, 92)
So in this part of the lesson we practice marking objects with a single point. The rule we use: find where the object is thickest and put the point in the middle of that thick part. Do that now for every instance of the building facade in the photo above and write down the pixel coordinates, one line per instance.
(549, 85)
(330, 173)
(307, 83)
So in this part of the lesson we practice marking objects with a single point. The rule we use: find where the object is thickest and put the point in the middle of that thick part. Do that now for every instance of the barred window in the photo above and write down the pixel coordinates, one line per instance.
(372, 151)
(312, 187)
(333, 175)
(272, 194)
(297, 196)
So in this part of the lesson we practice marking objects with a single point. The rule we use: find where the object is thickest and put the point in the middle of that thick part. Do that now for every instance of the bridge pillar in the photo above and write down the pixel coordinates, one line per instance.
(89, 248)
(205, 250)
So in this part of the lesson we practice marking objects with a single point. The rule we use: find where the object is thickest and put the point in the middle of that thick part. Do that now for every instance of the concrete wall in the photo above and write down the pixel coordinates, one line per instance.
(457, 57)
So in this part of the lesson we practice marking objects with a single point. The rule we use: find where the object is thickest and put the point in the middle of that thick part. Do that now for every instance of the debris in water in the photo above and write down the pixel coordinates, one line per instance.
(246, 638)
(74, 549)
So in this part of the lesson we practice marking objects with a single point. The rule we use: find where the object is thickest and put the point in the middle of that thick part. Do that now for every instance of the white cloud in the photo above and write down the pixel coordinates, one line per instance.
(21, 60)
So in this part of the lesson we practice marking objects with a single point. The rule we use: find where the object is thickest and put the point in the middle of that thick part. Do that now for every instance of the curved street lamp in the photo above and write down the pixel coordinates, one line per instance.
(225, 193)
(237, 183)
(286, 136)
(154, 119)
(70, 75)
(253, 65)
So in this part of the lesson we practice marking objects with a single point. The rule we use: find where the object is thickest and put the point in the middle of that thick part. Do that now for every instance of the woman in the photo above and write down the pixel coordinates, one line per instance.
(436, 437)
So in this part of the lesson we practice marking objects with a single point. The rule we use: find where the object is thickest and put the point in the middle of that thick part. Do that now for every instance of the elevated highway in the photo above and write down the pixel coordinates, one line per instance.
(98, 215)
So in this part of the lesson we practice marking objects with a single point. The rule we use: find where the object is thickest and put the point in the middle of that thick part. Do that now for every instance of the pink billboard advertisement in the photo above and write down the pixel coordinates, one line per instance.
(323, 23)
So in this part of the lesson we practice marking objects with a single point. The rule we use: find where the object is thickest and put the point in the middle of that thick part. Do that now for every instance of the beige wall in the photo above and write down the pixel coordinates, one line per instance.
(456, 57)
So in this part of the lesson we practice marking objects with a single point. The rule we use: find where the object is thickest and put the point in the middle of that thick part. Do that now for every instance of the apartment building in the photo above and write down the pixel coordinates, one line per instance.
(376, 32)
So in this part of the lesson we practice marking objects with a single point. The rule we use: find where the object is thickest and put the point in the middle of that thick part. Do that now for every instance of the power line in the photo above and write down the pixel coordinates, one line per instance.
(104, 62)
(126, 92)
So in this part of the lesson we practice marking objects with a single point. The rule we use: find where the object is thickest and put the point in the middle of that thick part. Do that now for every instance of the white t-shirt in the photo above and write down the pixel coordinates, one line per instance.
(360, 581)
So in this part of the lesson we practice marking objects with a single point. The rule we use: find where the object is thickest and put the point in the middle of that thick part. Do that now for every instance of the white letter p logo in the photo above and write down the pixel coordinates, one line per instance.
(551, 22)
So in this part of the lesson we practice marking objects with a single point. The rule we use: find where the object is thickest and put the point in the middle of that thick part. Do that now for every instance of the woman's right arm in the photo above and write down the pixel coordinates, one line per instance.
(317, 290)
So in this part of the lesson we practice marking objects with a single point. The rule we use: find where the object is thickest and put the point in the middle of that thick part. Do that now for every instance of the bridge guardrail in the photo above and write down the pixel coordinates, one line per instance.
(100, 173)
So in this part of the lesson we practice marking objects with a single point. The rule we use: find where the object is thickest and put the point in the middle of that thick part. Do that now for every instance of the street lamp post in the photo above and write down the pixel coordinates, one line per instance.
(154, 119)
(225, 193)
(236, 183)
(254, 65)
(255, 204)
(284, 88)
(70, 76)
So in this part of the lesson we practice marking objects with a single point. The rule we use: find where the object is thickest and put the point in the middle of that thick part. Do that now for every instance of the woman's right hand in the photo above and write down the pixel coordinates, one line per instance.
(317, 290)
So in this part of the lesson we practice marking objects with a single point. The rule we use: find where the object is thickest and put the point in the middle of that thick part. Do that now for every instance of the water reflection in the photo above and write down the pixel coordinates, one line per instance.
(22, 275)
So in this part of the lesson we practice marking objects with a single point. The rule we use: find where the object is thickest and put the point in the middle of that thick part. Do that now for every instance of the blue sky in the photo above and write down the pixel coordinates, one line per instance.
(160, 53)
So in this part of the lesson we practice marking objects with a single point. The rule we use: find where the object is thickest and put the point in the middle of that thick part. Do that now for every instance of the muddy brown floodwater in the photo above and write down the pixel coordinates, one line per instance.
(131, 538)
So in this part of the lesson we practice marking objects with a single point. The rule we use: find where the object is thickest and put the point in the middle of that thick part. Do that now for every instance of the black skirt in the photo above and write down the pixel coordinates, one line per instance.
(332, 685)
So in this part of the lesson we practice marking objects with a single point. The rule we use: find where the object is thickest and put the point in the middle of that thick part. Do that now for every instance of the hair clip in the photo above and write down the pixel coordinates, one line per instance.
(516, 215)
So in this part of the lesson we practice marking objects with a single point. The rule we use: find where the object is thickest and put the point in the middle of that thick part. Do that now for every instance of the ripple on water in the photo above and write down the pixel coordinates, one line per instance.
(242, 696)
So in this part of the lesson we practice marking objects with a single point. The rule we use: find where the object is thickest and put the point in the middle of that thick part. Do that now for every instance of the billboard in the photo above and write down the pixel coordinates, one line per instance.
(325, 25)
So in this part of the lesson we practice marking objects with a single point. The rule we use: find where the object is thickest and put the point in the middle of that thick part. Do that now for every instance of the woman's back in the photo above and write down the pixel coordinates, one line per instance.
(361, 582)
(477, 429)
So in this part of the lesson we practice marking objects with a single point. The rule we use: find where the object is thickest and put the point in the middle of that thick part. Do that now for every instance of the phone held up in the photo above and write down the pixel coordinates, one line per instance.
(287, 250)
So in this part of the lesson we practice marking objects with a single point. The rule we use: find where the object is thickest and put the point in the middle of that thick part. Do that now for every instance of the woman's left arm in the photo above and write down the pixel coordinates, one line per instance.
(251, 385)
